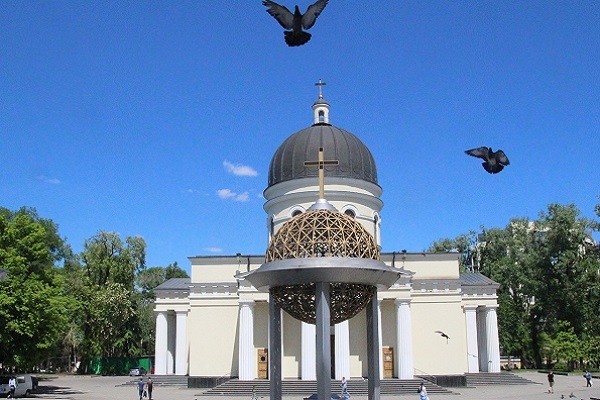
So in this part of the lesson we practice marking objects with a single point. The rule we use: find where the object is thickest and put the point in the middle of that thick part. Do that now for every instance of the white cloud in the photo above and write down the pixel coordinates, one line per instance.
(225, 193)
(239, 169)
(52, 181)
(242, 197)
(213, 249)
(228, 194)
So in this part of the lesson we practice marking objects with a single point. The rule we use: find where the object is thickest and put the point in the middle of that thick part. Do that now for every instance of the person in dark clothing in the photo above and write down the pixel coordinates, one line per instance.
(551, 382)
(149, 387)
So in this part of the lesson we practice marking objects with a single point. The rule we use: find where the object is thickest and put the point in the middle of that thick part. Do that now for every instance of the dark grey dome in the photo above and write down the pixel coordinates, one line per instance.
(355, 159)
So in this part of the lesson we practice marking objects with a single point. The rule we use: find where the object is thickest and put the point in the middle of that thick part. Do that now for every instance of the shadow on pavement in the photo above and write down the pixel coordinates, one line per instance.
(55, 391)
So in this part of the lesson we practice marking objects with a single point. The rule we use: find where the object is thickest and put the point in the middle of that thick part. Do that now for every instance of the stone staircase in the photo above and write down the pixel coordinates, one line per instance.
(161, 380)
(496, 378)
(357, 387)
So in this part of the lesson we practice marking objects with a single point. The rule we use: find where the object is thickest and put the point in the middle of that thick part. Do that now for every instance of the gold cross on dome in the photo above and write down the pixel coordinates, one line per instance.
(321, 163)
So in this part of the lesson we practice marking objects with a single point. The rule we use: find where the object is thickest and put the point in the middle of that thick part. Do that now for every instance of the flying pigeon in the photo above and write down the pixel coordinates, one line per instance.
(442, 334)
(294, 35)
(494, 162)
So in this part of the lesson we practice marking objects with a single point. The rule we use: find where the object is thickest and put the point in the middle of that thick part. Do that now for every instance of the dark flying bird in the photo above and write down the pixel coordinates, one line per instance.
(494, 162)
(295, 36)
(442, 334)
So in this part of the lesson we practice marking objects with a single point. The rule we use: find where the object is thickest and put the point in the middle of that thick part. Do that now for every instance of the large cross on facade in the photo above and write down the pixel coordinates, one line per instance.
(321, 163)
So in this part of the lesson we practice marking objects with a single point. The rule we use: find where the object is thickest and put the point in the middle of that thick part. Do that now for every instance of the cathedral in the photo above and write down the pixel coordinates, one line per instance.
(434, 320)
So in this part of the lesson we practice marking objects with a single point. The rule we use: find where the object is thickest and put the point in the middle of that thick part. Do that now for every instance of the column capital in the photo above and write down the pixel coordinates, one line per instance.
(402, 301)
(179, 312)
(246, 303)
(470, 307)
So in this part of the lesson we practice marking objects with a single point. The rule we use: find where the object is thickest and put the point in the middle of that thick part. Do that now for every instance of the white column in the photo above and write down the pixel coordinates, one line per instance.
(404, 341)
(493, 343)
(342, 350)
(246, 355)
(309, 352)
(181, 354)
(170, 343)
(471, 324)
(380, 339)
(160, 344)
(482, 340)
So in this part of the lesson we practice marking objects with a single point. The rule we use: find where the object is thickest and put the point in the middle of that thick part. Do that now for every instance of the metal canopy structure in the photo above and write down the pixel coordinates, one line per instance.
(322, 267)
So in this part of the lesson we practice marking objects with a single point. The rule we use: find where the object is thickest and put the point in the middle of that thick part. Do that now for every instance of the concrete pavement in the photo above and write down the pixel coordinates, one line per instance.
(67, 387)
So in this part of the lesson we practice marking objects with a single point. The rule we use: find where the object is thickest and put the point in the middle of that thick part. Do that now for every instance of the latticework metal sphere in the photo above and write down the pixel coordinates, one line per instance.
(322, 233)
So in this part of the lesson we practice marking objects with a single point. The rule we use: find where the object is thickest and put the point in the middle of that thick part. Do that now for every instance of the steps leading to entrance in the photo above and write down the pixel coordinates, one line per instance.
(357, 387)
(162, 380)
(496, 378)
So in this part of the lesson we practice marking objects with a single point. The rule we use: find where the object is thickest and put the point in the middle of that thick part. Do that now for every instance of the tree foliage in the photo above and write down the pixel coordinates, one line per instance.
(98, 303)
(33, 308)
(549, 275)
(104, 285)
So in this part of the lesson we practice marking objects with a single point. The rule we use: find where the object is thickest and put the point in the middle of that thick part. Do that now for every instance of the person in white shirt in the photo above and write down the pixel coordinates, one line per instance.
(12, 384)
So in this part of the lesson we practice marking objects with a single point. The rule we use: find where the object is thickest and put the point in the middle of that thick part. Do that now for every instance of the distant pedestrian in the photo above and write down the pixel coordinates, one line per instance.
(422, 392)
(345, 393)
(149, 387)
(551, 382)
(12, 385)
(588, 378)
(141, 385)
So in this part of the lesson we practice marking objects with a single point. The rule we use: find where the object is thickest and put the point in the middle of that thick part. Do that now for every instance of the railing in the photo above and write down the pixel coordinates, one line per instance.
(222, 379)
(426, 376)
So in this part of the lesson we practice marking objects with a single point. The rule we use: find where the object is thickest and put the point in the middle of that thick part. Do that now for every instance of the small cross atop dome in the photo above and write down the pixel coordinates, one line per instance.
(320, 107)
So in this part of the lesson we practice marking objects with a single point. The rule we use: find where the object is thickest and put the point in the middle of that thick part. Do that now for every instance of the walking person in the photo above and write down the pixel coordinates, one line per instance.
(422, 392)
(141, 385)
(345, 393)
(588, 378)
(551, 382)
(12, 385)
(149, 387)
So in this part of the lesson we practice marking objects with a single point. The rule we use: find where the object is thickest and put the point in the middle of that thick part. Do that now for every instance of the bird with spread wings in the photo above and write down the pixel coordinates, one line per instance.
(294, 35)
(493, 161)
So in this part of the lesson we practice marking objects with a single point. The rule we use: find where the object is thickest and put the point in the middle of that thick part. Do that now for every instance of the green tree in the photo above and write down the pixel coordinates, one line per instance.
(464, 244)
(109, 316)
(548, 270)
(150, 278)
(33, 306)
(566, 345)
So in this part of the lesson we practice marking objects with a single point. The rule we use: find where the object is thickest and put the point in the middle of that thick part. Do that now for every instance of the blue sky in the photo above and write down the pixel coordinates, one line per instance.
(159, 118)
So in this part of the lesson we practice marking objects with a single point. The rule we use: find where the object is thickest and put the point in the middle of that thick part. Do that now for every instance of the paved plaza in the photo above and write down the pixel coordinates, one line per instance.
(66, 387)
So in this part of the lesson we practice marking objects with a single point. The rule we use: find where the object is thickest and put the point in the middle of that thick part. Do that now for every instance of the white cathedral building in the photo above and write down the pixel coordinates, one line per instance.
(433, 321)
